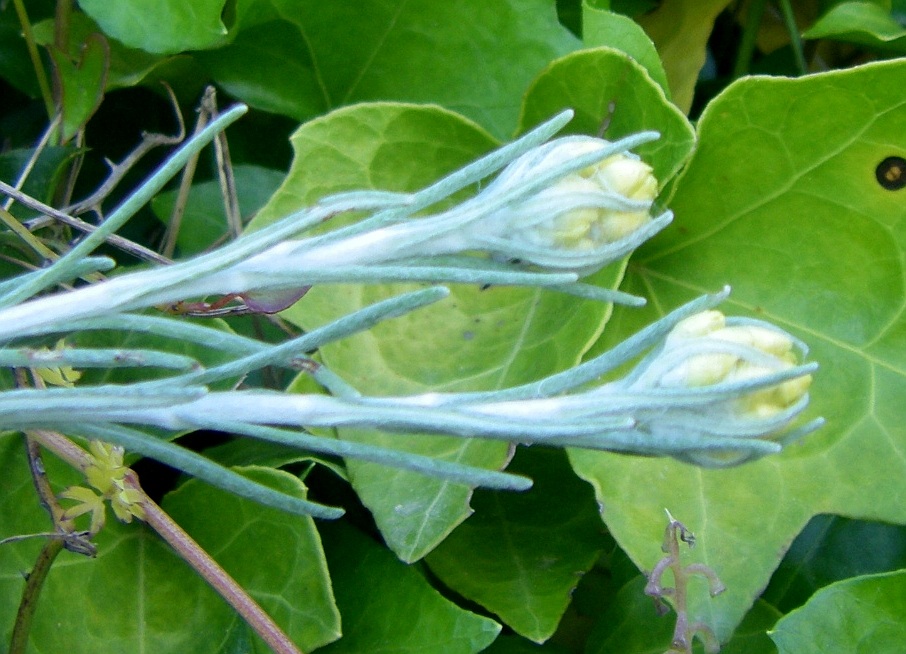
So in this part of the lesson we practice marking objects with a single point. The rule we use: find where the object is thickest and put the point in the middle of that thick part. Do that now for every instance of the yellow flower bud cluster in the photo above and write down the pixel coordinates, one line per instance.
(724, 367)
(590, 227)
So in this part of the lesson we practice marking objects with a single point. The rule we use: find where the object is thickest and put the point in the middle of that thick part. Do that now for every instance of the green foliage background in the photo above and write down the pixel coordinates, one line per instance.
(773, 185)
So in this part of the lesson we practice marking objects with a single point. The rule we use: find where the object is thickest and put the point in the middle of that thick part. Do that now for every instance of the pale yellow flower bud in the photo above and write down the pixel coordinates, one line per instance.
(715, 367)
(629, 177)
(699, 324)
(772, 400)
(126, 504)
(591, 224)
(767, 340)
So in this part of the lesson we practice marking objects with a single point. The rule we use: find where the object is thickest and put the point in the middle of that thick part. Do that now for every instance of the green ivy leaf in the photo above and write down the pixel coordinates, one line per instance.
(125, 600)
(864, 614)
(127, 66)
(477, 339)
(471, 56)
(781, 201)
(82, 82)
(160, 26)
(522, 554)
(588, 82)
(275, 556)
(865, 23)
(602, 27)
(270, 67)
(389, 607)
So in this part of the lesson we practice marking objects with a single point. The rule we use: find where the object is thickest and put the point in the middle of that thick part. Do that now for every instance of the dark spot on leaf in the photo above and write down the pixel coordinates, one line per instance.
(891, 173)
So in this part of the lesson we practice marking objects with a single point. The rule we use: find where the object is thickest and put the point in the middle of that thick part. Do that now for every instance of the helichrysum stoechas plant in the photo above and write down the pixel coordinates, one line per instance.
(710, 391)
(706, 389)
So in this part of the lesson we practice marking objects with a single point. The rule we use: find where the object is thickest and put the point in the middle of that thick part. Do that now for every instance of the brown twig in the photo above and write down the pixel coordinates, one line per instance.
(119, 170)
(64, 528)
(64, 535)
(225, 171)
(117, 241)
(30, 593)
(185, 185)
(215, 575)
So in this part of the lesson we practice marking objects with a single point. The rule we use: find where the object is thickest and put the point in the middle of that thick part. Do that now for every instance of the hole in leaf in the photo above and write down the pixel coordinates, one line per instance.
(891, 173)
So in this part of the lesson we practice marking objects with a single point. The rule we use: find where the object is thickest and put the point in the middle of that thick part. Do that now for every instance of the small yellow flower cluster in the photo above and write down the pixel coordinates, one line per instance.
(710, 369)
(106, 474)
(587, 228)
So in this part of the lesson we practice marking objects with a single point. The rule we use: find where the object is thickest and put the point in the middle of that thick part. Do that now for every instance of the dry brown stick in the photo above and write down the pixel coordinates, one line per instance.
(185, 547)
(185, 185)
(225, 171)
(119, 170)
(55, 214)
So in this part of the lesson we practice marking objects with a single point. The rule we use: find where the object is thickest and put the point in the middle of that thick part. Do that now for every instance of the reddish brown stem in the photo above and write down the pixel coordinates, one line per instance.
(215, 575)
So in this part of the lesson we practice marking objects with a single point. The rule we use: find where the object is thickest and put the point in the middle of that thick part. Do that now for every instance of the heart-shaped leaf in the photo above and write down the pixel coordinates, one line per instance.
(862, 614)
(782, 200)
(475, 340)
(82, 82)
(606, 28)
(522, 554)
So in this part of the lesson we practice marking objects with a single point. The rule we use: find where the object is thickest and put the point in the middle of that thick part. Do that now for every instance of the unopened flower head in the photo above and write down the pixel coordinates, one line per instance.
(777, 347)
(572, 205)
(740, 379)
(581, 220)
(106, 468)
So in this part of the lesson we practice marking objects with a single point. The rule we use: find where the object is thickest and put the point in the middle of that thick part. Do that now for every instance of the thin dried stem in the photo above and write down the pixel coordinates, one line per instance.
(33, 159)
(118, 171)
(225, 170)
(683, 632)
(40, 73)
(185, 184)
(126, 245)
